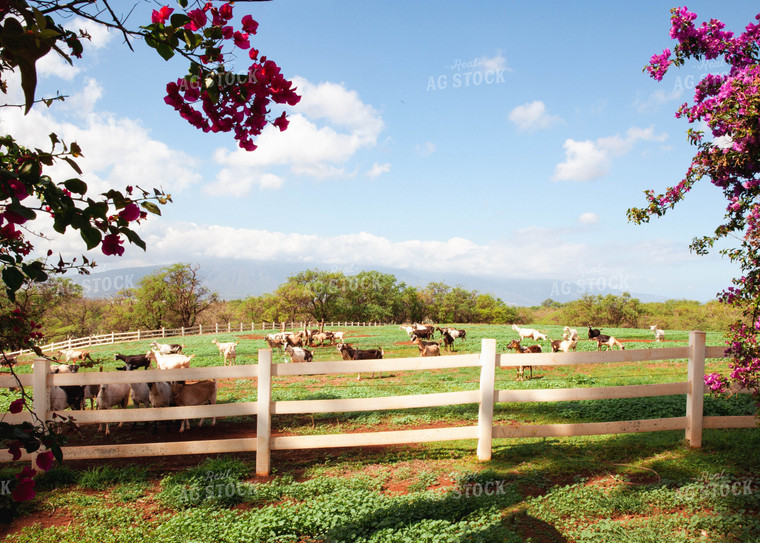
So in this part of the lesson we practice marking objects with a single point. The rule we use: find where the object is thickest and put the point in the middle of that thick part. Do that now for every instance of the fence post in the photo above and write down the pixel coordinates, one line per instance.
(487, 389)
(138, 335)
(264, 413)
(40, 395)
(695, 399)
(183, 330)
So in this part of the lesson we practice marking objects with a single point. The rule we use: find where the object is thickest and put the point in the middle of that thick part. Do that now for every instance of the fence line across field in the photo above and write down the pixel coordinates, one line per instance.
(486, 396)
(200, 329)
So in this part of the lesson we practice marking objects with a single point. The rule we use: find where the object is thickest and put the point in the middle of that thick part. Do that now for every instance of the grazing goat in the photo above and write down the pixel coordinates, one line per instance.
(62, 397)
(608, 341)
(454, 333)
(134, 361)
(199, 393)
(349, 353)
(299, 354)
(110, 395)
(448, 340)
(321, 337)
(228, 351)
(427, 348)
(170, 361)
(72, 355)
(408, 329)
(275, 341)
(567, 345)
(572, 333)
(8, 360)
(166, 348)
(659, 333)
(515, 344)
(64, 368)
(529, 333)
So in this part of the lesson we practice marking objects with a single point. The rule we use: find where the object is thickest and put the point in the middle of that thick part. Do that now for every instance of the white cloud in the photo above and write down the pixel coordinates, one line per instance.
(588, 218)
(492, 64)
(378, 169)
(533, 116)
(588, 160)
(331, 126)
(426, 149)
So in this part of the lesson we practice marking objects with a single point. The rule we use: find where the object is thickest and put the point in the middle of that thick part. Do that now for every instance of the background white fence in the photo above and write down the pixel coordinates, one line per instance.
(486, 396)
(200, 329)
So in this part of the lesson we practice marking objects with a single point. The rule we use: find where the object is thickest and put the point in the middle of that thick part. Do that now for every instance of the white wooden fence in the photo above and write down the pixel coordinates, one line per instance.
(486, 396)
(200, 329)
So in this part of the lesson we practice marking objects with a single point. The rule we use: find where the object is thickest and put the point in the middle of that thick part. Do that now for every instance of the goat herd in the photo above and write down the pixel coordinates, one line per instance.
(292, 345)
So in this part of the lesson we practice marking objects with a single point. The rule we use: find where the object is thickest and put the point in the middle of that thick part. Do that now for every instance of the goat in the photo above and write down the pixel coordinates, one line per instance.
(167, 348)
(515, 344)
(159, 394)
(321, 337)
(529, 333)
(408, 329)
(227, 350)
(170, 361)
(199, 393)
(349, 353)
(427, 348)
(299, 354)
(337, 337)
(295, 340)
(64, 368)
(422, 333)
(8, 360)
(275, 341)
(609, 342)
(448, 340)
(453, 332)
(62, 397)
(572, 333)
(567, 344)
(593, 332)
(110, 395)
(659, 333)
(134, 361)
(72, 355)
(140, 391)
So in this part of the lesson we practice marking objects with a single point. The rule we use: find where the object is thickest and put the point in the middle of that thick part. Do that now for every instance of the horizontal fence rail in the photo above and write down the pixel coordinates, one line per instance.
(486, 396)
(162, 333)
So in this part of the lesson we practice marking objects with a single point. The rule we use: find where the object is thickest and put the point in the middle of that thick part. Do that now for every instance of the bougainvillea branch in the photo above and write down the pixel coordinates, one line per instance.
(729, 106)
(210, 96)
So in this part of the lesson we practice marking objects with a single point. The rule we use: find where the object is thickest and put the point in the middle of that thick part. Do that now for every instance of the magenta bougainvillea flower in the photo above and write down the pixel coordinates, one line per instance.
(16, 406)
(112, 245)
(161, 15)
(131, 212)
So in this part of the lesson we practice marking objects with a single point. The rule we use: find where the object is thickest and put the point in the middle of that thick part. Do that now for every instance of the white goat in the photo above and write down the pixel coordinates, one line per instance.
(110, 395)
(659, 334)
(572, 333)
(170, 361)
(299, 354)
(166, 348)
(529, 333)
(227, 350)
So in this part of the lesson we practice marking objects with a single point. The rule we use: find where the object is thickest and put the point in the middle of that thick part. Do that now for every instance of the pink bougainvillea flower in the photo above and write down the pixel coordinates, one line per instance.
(24, 490)
(249, 25)
(226, 12)
(15, 450)
(161, 15)
(241, 40)
(131, 212)
(16, 406)
(198, 19)
(44, 460)
(227, 32)
(281, 122)
(111, 245)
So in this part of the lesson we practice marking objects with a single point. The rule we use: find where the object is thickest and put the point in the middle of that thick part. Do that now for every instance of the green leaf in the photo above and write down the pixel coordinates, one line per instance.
(74, 165)
(75, 185)
(179, 20)
(164, 50)
(134, 238)
(153, 208)
(91, 237)
(22, 211)
(35, 271)
(13, 278)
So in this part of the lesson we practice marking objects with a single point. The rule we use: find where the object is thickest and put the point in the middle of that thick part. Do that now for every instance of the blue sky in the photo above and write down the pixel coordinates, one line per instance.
(500, 139)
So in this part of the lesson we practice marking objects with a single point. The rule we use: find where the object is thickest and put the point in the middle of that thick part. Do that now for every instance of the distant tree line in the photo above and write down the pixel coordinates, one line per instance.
(175, 296)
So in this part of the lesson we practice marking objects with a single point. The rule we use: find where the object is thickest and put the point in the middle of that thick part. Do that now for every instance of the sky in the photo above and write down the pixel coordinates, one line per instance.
(496, 139)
